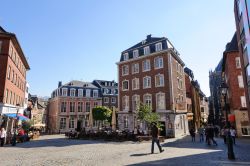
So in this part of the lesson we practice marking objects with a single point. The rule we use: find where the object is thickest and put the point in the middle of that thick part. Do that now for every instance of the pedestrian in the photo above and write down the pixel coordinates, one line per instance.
(233, 134)
(201, 133)
(155, 138)
(2, 135)
(211, 134)
(192, 133)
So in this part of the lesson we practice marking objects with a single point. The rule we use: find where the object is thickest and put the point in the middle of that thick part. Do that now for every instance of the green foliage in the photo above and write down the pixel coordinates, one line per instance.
(101, 113)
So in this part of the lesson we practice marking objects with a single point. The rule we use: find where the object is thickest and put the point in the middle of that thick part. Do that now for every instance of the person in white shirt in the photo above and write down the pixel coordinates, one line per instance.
(2, 135)
(233, 134)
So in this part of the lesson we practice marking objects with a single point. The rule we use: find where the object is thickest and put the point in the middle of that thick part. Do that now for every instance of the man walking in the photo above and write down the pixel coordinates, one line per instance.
(155, 138)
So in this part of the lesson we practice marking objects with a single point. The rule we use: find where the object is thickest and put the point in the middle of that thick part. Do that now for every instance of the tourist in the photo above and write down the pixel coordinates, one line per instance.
(192, 133)
(233, 134)
(2, 135)
(155, 138)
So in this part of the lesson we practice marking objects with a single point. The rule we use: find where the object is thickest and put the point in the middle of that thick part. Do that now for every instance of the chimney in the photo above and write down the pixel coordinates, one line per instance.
(59, 84)
(148, 37)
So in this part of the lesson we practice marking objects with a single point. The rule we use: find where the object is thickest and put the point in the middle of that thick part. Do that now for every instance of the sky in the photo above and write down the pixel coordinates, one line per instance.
(82, 40)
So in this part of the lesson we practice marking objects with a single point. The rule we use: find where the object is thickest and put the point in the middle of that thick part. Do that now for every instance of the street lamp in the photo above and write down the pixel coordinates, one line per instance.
(224, 91)
(16, 124)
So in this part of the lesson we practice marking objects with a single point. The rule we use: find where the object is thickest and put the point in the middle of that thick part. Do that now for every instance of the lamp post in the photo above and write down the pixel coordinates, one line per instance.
(224, 89)
(16, 124)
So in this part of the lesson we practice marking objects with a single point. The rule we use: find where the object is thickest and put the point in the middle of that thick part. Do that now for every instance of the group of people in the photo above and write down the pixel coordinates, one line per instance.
(228, 131)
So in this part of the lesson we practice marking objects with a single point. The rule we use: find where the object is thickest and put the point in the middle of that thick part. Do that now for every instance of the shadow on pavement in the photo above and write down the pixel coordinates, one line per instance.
(140, 154)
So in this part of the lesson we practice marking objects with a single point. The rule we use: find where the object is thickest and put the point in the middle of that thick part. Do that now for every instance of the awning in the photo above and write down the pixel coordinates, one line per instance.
(20, 116)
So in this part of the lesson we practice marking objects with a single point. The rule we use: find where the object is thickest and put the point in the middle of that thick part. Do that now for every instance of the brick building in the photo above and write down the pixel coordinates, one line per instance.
(151, 72)
(70, 105)
(13, 68)
(109, 92)
(232, 69)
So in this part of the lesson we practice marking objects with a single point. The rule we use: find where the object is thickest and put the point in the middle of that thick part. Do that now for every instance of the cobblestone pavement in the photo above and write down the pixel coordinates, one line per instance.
(56, 150)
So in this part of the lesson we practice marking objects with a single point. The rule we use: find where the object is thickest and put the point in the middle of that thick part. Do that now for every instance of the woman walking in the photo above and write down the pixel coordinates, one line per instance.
(2, 135)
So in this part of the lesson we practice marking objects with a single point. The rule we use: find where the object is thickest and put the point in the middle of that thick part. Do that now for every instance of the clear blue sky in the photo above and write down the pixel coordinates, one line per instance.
(82, 40)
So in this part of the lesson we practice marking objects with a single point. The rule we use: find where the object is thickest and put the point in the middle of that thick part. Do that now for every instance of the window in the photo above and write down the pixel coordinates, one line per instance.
(243, 101)
(147, 82)
(63, 106)
(146, 50)
(158, 62)
(125, 122)
(158, 47)
(125, 70)
(88, 92)
(135, 68)
(106, 100)
(95, 93)
(160, 101)
(62, 123)
(72, 106)
(146, 65)
(148, 100)
(113, 100)
(179, 83)
(240, 80)
(71, 123)
(64, 91)
(135, 54)
(159, 80)
(237, 61)
(10, 101)
(125, 103)
(6, 95)
(72, 92)
(135, 83)
(125, 85)
(0, 46)
(135, 102)
(13, 76)
(8, 72)
(125, 56)
(79, 106)
(87, 106)
(80, 92)
(96, 104)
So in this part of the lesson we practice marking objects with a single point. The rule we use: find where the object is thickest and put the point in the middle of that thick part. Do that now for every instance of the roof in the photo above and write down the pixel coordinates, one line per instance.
(13, 37)
(101, 84)
(189, 72)
(219, 66)
(76, 83)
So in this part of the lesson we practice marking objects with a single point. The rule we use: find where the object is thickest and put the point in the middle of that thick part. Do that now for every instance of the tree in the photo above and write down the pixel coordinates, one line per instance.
(101, 113)
(144, 113)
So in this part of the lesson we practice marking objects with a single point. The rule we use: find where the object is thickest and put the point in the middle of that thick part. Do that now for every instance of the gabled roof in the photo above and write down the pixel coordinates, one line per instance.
(146, 42)
(76, 83)
(101, 84)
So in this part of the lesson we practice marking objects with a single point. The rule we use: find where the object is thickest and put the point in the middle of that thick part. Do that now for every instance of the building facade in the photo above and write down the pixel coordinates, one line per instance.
(109, 92)
(242, 20)
(233, 75)
(13, 68)
(70, 105)
(151, 72)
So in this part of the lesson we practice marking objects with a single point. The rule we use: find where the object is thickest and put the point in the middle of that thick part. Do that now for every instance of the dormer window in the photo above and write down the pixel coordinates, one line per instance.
(72, 92)
(64, 91)
(125, 56)
(80, 92)
(88, 92)
(146, 50)
(158, 46)
(135, 54)
(143, 41)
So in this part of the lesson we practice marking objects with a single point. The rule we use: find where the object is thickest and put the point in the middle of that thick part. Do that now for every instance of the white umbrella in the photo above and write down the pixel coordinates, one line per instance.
(113, 119)
(90, 119)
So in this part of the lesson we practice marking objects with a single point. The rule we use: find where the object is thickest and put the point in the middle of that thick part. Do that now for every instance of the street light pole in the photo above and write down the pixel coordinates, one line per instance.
(16, 124)
(230, 152)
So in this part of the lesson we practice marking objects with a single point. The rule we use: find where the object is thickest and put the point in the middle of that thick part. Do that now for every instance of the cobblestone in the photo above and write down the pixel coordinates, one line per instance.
(56, 150)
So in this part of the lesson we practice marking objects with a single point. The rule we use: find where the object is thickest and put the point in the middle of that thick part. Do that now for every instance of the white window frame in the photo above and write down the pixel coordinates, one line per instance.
(146, 50)
(123, 84)
(88, 93)
(158, 47)
(72, 92)
(145, 99)
(95, 93)
(135, 68)
(71, 123)
(63, 123)
(64, 90)
(243, 101)
(125, 70)
(80, 92)
(146, 65)
(135, 54)
(125, 56)
(135, 82)
(125, 103)
(106, 100)
(163, 106)
(237, 62)
(240, 81)
(135, 102)
(161, 80)
(146, 82)
(158, 62)
(113, 100)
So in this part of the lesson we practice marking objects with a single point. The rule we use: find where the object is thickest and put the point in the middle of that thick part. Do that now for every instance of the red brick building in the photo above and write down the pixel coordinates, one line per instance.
(13, 68)
(233, 75)
(151, 72)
